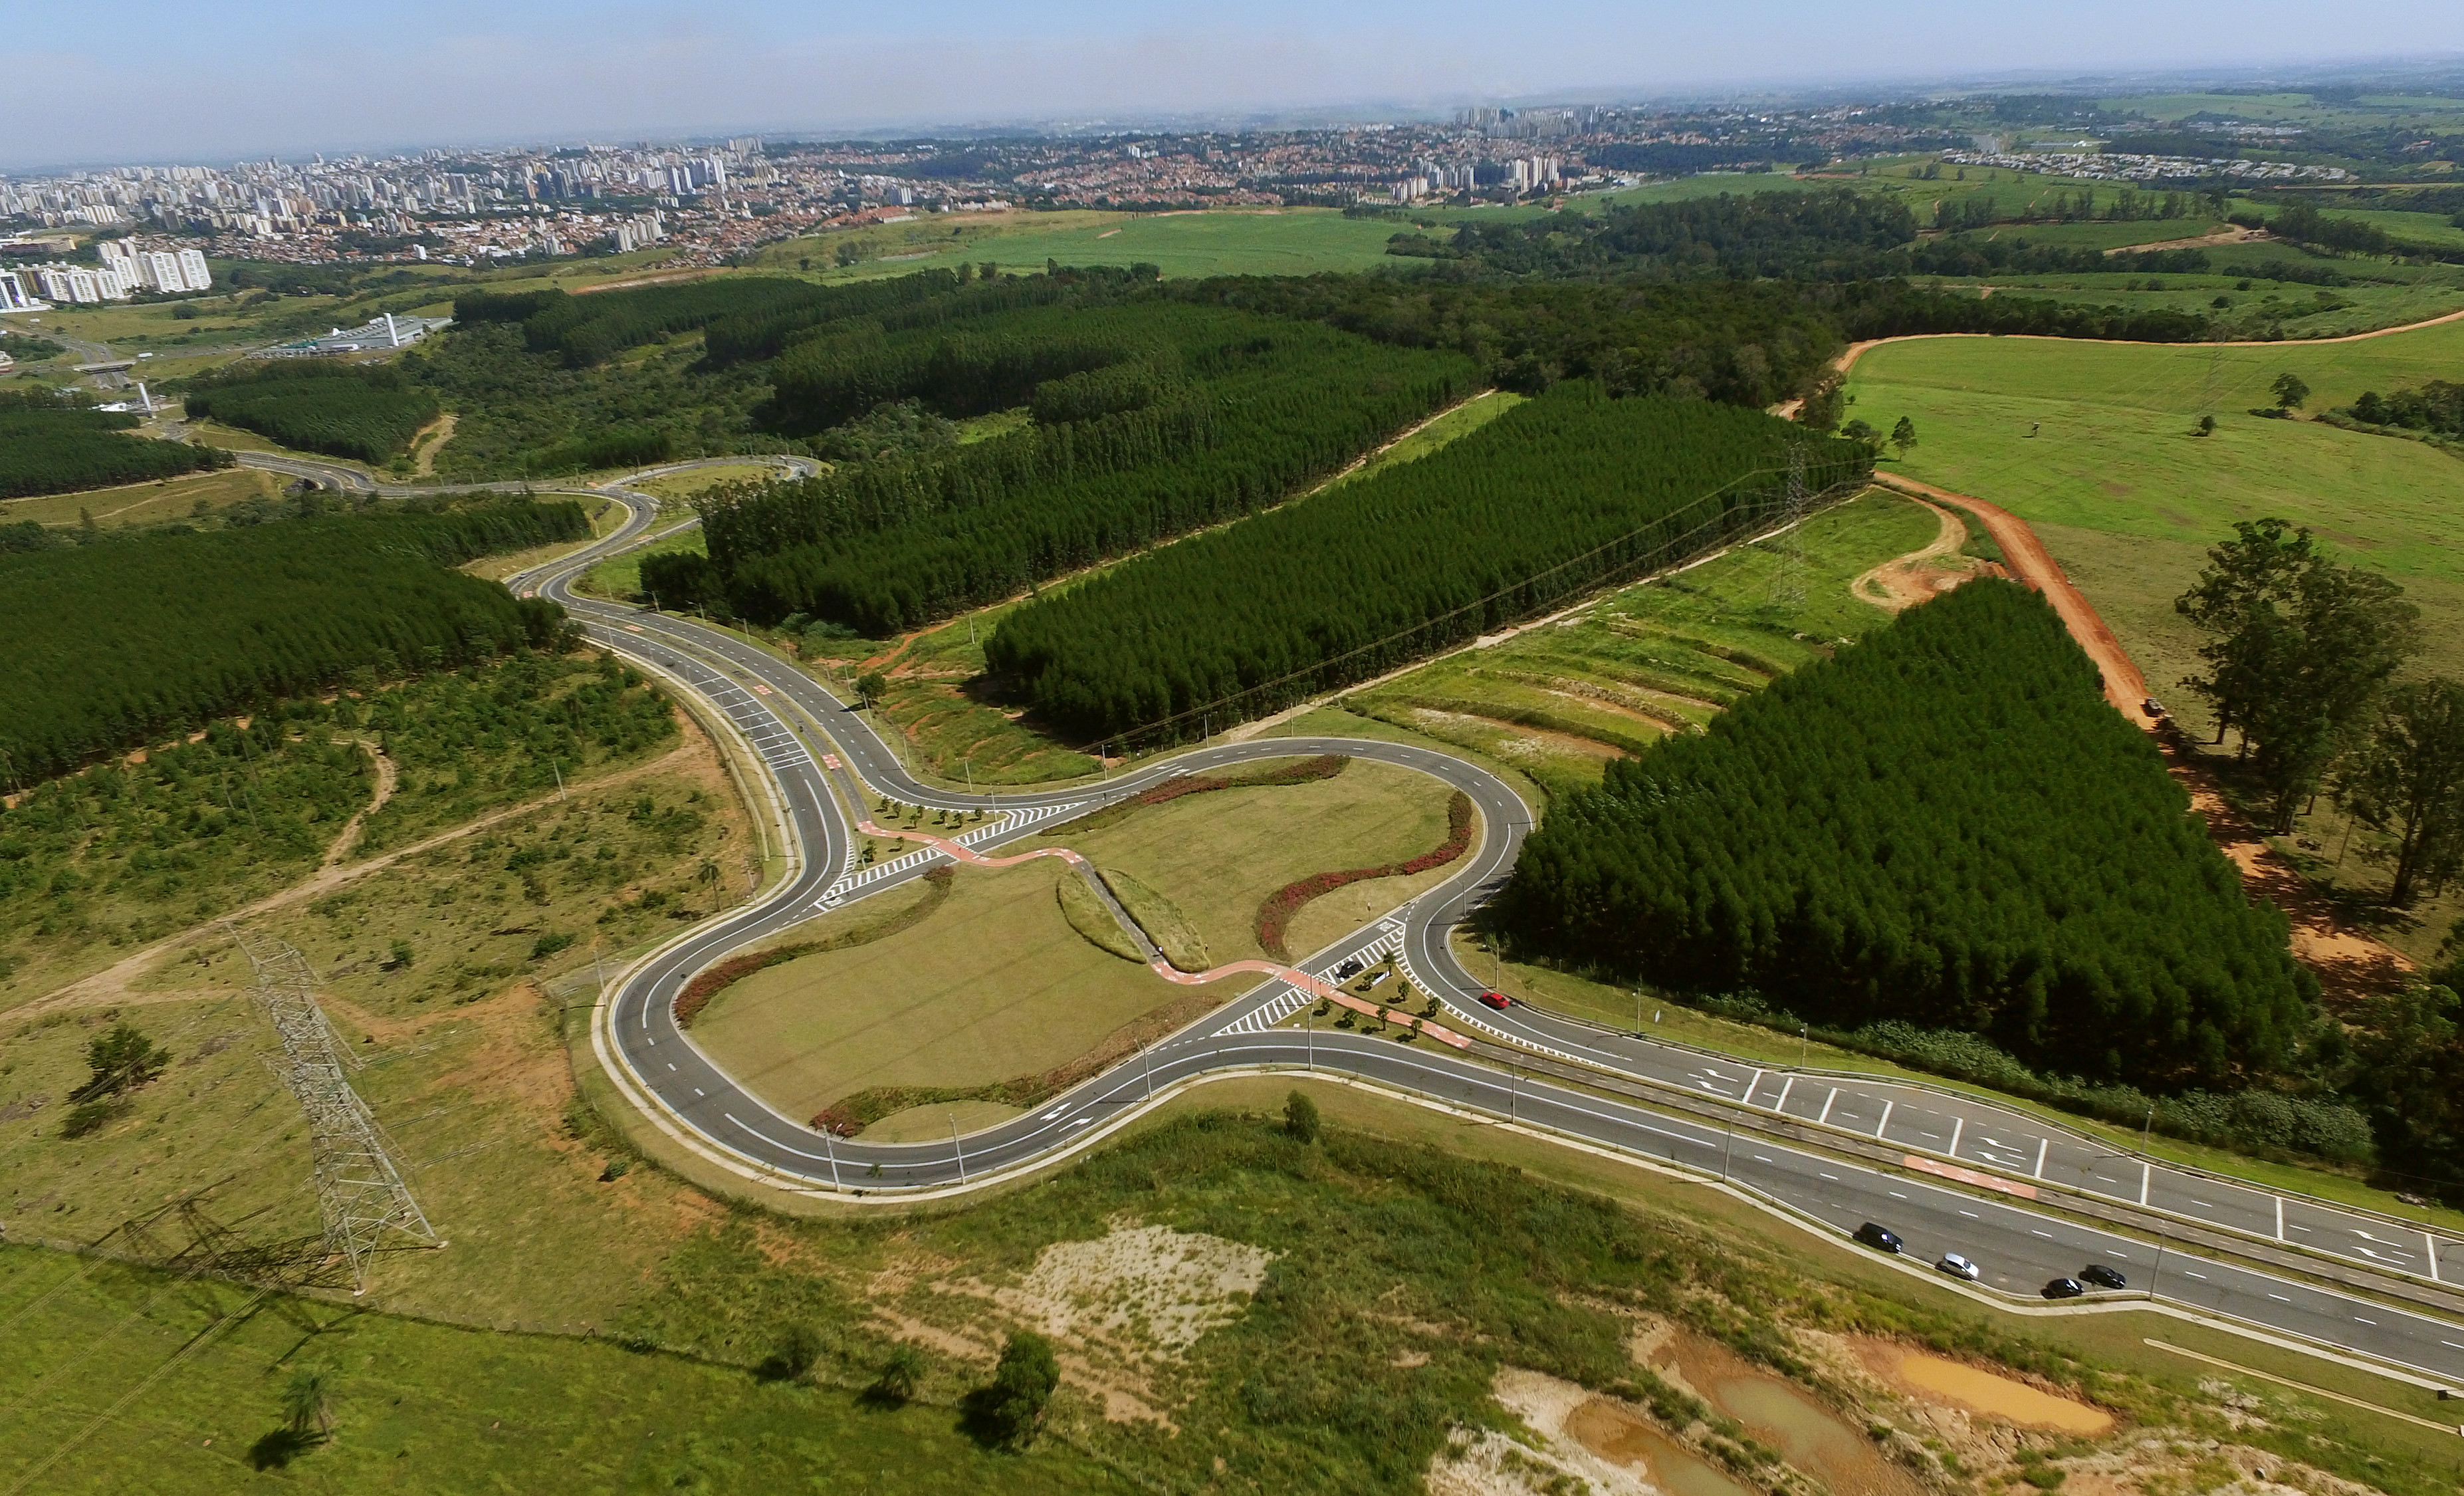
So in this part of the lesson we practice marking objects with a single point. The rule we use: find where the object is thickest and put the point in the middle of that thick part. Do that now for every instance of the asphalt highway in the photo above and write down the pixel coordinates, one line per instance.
(807, 737)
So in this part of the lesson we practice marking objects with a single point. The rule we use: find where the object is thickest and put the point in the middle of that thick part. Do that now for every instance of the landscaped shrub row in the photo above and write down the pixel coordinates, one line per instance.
(1325, 766)
(1275, 915)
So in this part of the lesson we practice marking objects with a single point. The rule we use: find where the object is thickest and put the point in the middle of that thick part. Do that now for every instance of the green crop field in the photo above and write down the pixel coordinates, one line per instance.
(2129, 498)
(1558, 700)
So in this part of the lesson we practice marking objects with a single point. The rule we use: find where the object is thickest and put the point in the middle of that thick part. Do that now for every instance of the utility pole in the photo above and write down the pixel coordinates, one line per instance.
(829, 1146)
(1308, 1025)
(1638, 1012)
(1513, 1093)
(1802, 1041)
(1788, 582)
(958, 1147)
(559, 780)
(1146, 1053)
(1727, 1147)
(360, 1191)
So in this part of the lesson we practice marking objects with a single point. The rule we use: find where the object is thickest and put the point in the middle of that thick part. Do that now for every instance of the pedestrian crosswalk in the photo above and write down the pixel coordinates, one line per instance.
(1284, 999)
(853, 879)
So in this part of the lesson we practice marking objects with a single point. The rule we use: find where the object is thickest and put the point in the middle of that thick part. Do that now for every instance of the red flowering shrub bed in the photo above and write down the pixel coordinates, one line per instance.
(1275, 915)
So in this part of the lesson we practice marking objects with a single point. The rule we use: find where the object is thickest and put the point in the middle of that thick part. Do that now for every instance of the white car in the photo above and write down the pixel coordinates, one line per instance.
(1958, 1266)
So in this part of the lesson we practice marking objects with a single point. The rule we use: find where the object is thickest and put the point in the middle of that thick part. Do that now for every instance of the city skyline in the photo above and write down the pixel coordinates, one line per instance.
(224, 82)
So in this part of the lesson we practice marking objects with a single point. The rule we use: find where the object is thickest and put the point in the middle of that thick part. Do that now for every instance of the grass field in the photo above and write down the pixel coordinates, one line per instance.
(147, 504)
(994, 984)
(1559, 700)
(2129, 498)
(1399, 1281)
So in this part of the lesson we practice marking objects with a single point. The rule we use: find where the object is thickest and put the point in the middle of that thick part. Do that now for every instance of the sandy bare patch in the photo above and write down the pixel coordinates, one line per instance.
(1941, 1381)
(1146, 1294)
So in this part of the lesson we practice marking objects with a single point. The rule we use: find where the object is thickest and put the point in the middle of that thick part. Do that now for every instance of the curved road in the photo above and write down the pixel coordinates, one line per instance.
(822, 758)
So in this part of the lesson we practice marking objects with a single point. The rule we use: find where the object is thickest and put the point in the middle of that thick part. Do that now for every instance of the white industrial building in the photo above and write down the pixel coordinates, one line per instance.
(386, 331)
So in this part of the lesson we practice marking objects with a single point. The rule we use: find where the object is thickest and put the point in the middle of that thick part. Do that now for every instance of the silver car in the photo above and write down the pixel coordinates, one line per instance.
(1958, 1266)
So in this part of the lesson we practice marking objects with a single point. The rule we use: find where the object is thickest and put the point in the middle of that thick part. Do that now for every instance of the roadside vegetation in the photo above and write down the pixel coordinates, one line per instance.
(96, 864)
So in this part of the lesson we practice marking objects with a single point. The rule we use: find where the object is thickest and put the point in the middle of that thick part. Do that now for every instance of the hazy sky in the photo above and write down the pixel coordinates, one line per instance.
(211, 80)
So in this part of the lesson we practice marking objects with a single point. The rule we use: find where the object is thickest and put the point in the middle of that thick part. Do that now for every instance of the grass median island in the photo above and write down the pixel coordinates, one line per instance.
(994, 985)
(1215, 856)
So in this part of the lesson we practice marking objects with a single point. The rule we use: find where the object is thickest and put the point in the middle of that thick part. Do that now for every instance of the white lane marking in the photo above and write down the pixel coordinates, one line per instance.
(1759, 1159)
(1896, 1195)
(2202, 1277)
(1826, 1106)
(1832, 1177)
(2279, 1298)
(699, 1092)
(1972, 1215)
(672, 1065)
(1080, 1122)
(2358, 1320)
(2047, 1235)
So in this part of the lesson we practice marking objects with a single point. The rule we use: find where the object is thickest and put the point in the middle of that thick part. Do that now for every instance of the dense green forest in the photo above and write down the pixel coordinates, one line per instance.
(1154, 418)
(1561, 493)
(586, 330)
(524, 414)
(1943, 825)
(47, 447)
(366, 411)
(115, 645)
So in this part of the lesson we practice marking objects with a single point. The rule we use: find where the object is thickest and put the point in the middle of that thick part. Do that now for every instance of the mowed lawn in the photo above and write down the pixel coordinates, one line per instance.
(992, 984)
(2130, 499)
(1219, 855)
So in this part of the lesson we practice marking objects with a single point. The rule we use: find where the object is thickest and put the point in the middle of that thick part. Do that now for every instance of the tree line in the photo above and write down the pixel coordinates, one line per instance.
(50, 445)
(2436, 407)
(368, 412)
(1556, 496)
(114, 646)
(1163, 417)
(1944, 824)
(586, 330)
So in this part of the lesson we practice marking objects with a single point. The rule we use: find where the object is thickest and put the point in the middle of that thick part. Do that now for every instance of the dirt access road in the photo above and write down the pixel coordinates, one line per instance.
(2349, 965)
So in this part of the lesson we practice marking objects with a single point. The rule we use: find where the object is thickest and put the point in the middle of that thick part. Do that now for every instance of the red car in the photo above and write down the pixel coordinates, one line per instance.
(1497, 1000)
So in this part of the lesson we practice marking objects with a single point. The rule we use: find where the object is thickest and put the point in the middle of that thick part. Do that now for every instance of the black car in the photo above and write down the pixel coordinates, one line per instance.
(2063, 1288)
(2102, 1277)
(1347, 971)
(1876, 1237)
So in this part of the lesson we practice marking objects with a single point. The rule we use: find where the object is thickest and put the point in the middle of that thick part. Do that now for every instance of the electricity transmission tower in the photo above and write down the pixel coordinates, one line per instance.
(359, 1193)
(1788, 581)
